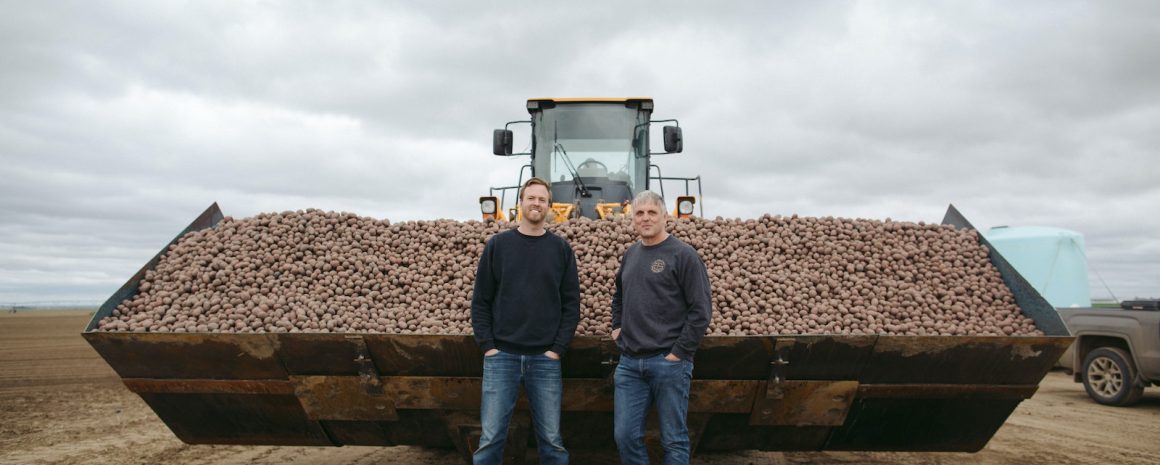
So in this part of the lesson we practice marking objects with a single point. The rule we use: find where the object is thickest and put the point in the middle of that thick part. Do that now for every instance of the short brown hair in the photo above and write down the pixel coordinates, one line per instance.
(536, 181)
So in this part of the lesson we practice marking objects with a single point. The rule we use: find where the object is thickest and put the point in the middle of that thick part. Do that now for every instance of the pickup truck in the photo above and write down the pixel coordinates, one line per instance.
(1116, 353)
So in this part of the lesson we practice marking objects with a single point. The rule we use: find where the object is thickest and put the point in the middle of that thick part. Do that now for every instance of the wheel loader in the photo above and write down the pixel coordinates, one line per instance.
(801, 392)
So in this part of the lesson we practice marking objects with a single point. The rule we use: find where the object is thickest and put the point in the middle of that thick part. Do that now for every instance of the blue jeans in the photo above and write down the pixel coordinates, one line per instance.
(641, 382)
(502, 375)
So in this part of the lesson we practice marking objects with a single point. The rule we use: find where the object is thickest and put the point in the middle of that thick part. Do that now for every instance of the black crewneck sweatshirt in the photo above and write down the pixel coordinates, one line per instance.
(527, 294)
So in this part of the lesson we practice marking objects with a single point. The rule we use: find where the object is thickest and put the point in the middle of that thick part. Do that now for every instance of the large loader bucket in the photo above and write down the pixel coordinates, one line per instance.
(801, 392)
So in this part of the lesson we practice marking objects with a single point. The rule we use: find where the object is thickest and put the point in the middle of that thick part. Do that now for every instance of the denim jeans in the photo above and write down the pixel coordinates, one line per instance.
(641, 382)
(503, 373)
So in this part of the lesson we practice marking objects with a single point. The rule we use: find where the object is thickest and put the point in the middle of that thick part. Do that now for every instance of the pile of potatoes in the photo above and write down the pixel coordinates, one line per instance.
(316, 271)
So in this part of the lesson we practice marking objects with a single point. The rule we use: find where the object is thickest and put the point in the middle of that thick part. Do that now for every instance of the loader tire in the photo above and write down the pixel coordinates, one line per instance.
(1109, 376)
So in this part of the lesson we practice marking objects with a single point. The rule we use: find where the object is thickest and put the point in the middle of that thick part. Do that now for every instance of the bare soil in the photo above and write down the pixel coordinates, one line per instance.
(61, 404)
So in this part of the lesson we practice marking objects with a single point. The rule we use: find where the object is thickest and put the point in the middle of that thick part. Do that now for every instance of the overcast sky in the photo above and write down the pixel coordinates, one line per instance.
(121, 121)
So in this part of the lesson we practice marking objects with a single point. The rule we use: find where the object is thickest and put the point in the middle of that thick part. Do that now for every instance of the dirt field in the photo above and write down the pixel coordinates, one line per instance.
(61, 404)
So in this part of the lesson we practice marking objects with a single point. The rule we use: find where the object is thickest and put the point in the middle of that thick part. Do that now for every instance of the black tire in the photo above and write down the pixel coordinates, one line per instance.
(1109, 377)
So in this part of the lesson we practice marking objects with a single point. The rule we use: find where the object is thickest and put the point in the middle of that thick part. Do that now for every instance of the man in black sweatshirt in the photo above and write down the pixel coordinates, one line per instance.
(524, 312)
(660, 312)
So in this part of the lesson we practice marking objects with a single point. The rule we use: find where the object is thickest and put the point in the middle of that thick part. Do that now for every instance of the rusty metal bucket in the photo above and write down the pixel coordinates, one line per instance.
(800, 392)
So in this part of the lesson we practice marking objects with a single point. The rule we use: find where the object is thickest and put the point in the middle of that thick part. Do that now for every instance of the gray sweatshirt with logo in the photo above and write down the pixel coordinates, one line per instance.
(662, 302)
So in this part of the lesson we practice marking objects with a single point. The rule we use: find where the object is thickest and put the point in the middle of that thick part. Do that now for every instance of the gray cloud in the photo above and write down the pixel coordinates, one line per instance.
(122, 121)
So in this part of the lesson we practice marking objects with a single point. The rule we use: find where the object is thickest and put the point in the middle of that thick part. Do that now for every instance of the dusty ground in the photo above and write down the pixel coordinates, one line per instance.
(61, 404)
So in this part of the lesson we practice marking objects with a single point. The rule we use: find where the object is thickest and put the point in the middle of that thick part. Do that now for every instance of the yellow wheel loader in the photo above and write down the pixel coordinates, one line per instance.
(788, 392)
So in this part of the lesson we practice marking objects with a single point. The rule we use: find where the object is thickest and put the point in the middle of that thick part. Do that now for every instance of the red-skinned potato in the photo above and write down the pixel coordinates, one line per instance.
(317, 271)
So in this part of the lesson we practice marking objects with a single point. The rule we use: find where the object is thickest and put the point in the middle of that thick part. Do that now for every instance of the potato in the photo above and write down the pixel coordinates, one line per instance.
(316, 271)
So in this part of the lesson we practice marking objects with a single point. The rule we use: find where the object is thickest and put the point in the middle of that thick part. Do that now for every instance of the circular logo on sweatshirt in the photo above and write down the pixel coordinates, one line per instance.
(658, 266)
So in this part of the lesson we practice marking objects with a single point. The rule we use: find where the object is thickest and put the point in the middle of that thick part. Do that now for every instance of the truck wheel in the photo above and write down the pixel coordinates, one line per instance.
(1110, 377)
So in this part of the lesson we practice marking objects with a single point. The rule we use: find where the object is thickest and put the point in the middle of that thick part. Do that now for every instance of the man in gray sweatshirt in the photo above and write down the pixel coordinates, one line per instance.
(660, 312)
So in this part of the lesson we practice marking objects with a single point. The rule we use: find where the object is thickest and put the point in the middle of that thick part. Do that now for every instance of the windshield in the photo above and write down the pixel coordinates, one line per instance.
(594, 140)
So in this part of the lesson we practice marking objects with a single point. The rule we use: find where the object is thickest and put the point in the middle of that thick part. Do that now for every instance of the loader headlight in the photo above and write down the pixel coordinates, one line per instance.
(685, 206)
(489, 206)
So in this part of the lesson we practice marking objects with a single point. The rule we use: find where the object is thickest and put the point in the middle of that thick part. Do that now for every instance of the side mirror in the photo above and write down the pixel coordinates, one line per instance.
(501, 141)
(674, 141)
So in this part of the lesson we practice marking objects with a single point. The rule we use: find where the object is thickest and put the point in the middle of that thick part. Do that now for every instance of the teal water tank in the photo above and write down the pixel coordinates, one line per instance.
(1051, 259)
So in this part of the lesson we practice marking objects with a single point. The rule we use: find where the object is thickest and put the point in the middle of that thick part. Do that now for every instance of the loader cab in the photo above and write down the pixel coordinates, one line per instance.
(594, 152)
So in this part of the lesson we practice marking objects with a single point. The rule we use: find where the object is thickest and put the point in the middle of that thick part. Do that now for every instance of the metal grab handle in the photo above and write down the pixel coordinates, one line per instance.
(774, 389)
(366, 367)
